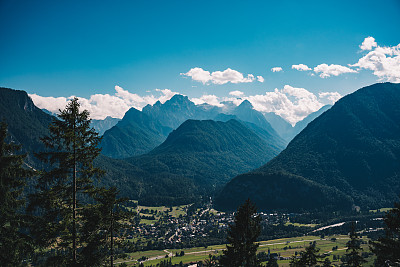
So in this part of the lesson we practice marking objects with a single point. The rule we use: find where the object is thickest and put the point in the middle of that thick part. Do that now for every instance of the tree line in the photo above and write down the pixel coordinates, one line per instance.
(69, 220)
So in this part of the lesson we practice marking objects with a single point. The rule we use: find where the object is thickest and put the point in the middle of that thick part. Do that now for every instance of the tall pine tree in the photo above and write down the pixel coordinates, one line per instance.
(242, 235)
(387, 248)
(353, 257)
(309, 257)
(15, 245)
(104, 220)
(65, 189)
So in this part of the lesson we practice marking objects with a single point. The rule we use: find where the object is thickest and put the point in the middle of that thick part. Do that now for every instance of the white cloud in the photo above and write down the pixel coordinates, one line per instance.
(276, 69)
(368, 43)
(332, 70)
(260, 79)
(198, 74)
(218, 77)
(50, 103)
(101, 106)
(229, 75)
(291, 103)
(208, 99)
(166, 95)
(331, 96)
(383, 61)
(236, 93)
(301, 67)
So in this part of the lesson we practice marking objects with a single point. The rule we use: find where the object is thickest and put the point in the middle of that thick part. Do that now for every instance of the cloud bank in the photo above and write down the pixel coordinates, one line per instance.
(103, 105)
(301, 67)
(291, 103)
(383, 61)
(220, 77)
(332, 70)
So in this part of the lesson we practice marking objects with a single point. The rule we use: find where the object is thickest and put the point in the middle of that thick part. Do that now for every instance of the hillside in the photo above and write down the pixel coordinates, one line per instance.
(209, 153)
(103, 125)
(141, 131)
(26, 123)
(135, 134)
(350, 153)
(285, 130)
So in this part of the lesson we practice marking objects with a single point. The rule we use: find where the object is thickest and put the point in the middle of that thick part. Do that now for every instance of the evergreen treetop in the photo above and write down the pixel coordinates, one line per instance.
(242, 235)
(15, 245)
(65, 203)
(387, 248)
(353, 257)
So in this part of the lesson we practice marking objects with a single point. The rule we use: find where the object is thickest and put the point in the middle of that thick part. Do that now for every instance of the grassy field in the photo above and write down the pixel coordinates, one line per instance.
(381, 210)
(301, 225)
(285, 247)
(175, 212)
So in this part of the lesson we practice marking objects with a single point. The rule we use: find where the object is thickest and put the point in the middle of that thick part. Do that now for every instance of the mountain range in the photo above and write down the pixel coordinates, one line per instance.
(200, 154)
(348, 156)
(141, 131)
(195, 159)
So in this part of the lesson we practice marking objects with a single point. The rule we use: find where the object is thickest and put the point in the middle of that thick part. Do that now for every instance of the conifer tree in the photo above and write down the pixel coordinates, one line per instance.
(387, 248)
(103, 222)
(64, 189)
(309, 257)
(242, 235)
(272, 262)
(15, 245)
(327, 263)
(353, 257)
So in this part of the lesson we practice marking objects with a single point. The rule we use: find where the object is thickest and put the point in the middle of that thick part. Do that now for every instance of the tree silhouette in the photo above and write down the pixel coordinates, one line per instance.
(65, 189)
(242, 235)
(387, 248)
(15, 245)
(309, 257)
(353, 257)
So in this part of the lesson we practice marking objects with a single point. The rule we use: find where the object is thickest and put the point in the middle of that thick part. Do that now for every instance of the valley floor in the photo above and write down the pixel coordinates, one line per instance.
(332, 247)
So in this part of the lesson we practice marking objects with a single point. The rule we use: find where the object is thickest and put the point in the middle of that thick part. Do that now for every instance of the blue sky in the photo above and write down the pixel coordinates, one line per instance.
(86, 48)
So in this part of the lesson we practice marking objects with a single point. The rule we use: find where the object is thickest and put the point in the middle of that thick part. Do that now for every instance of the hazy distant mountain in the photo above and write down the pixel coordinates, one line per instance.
(135, 134)
(103, 125)
(285, 129)
(175, 111)
(154, 122)
(300, 125)
(348, 155)
(246, 112)
(275, 142)
(280, 125)
(49, 112)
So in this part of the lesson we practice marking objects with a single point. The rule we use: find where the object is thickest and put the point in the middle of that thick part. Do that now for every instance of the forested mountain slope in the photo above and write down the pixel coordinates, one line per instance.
(208, 153)
(350, 155)
(135, 134)
(26, 123)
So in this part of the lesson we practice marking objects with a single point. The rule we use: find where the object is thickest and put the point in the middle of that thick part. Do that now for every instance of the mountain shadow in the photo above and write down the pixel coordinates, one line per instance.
(349, 153)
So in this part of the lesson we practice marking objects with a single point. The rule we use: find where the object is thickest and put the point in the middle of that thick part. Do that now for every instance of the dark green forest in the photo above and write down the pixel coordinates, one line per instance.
(349, 156)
